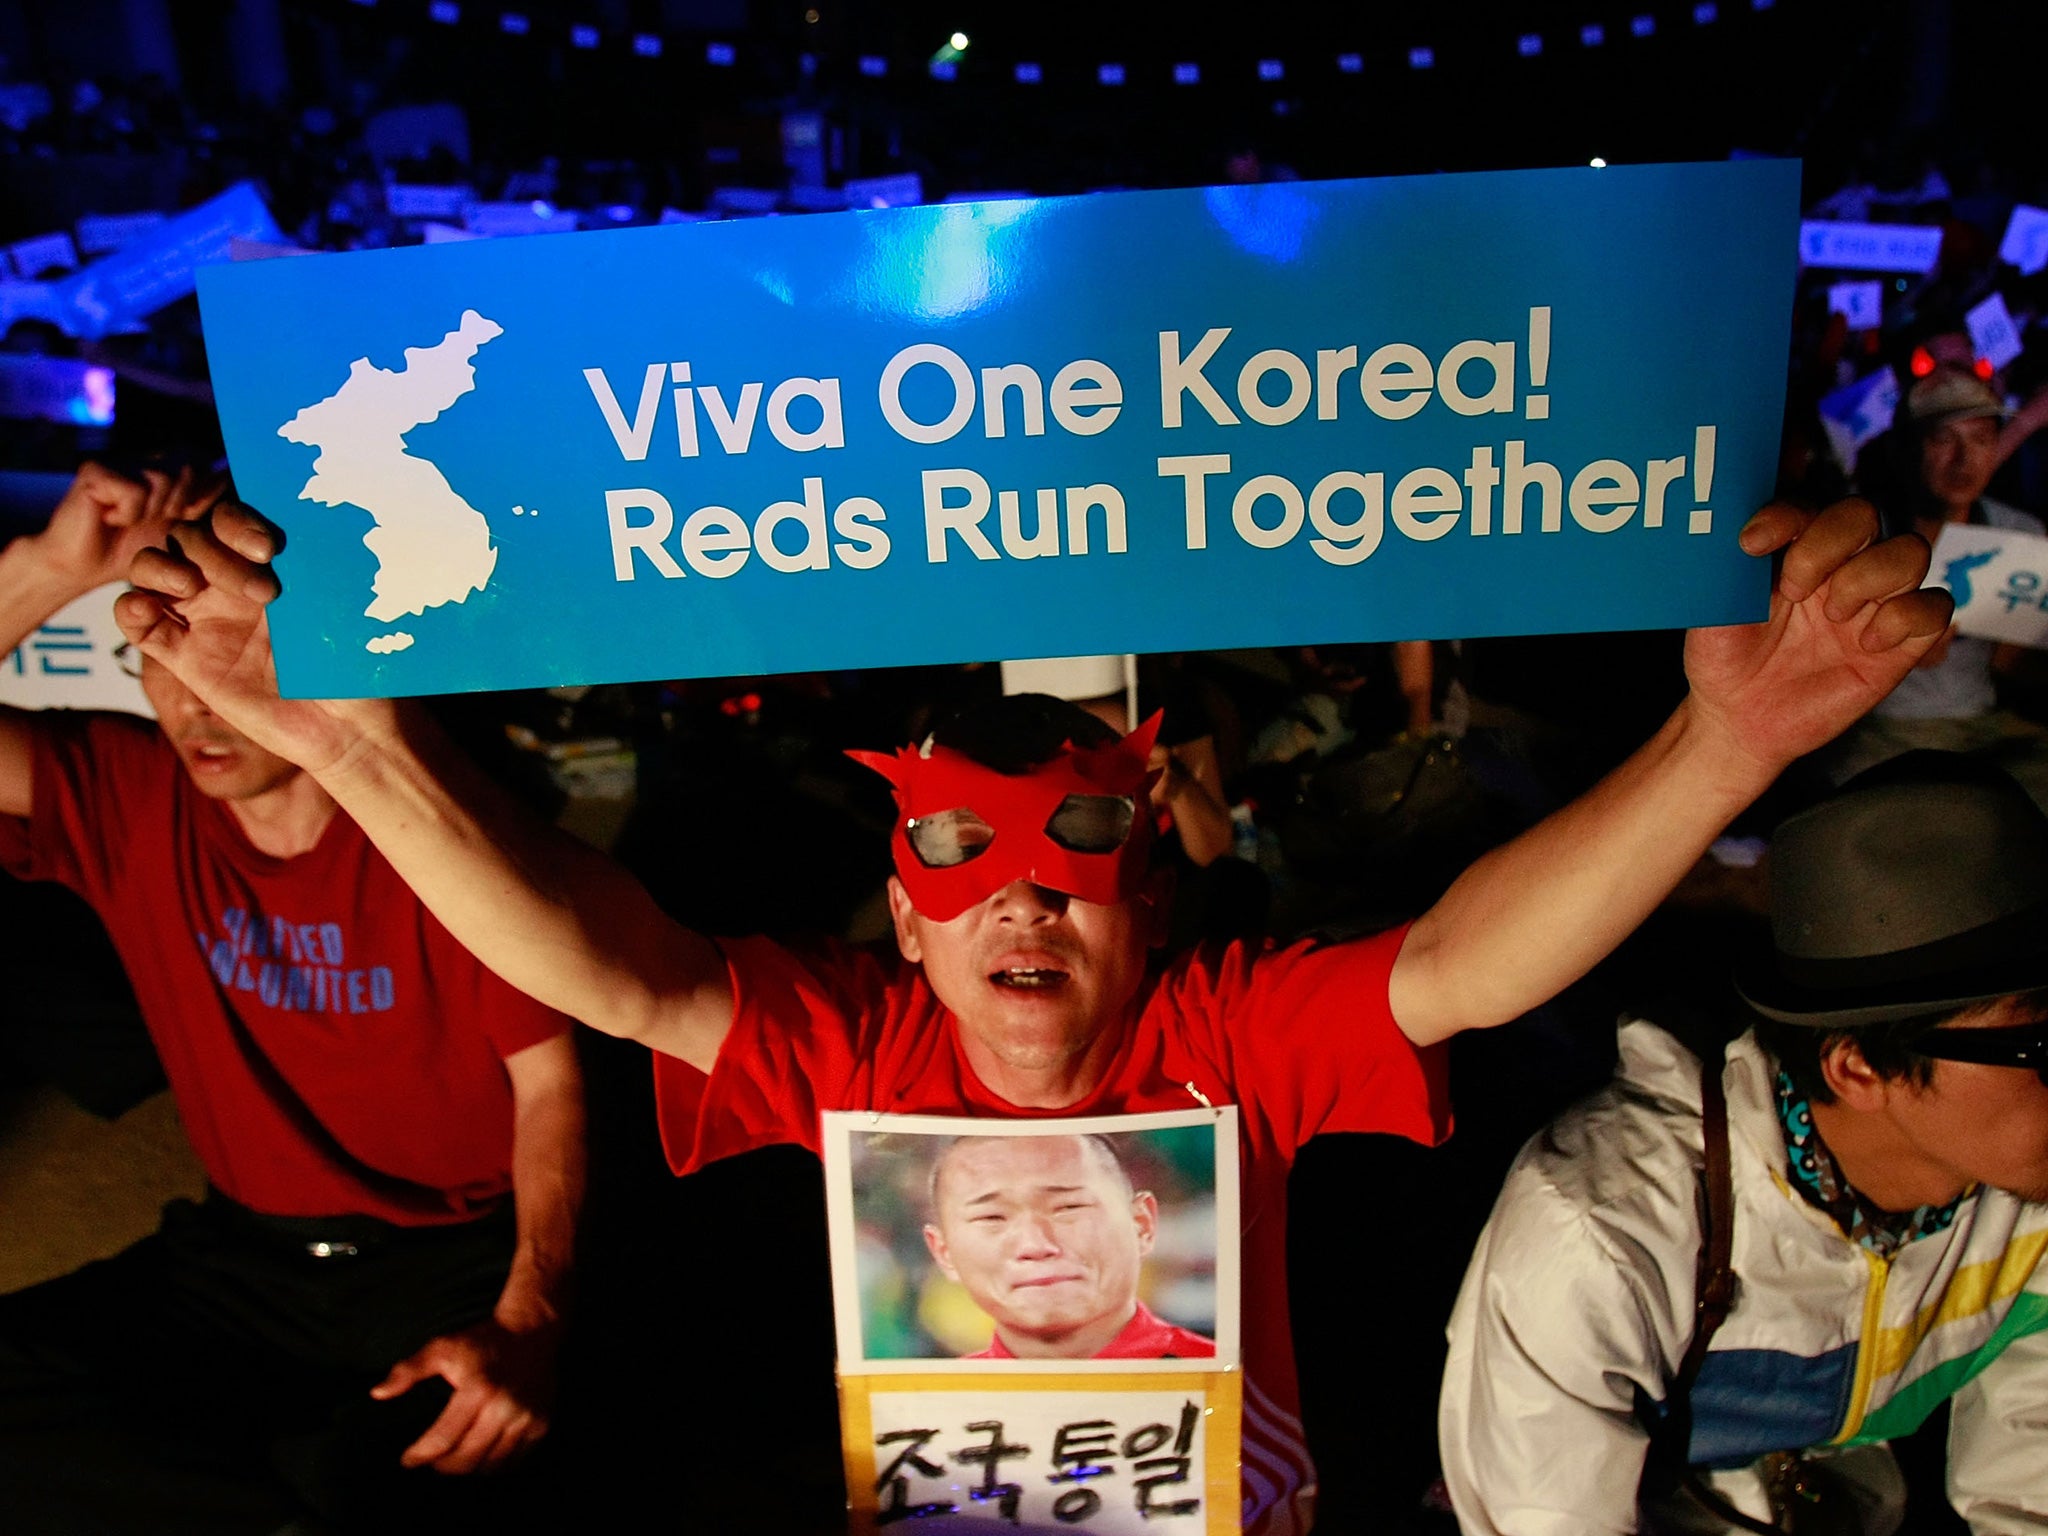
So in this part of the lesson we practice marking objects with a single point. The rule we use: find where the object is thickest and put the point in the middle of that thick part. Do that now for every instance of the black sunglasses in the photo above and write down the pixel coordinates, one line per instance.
(2009, 1045)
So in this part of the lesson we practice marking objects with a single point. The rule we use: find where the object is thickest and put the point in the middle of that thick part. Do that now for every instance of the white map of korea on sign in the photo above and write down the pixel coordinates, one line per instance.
(432, 547)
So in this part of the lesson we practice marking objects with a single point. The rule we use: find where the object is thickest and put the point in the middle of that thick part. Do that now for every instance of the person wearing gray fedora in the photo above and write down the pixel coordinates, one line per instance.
(1881, 1199)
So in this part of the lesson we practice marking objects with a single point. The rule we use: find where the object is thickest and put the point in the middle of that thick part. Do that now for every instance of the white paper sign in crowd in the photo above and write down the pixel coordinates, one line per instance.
(1861, 304)
(1869, 247)
(70, 663)
(1993, 336)
(1999, 579)
(2026, 239)
(1857, 413)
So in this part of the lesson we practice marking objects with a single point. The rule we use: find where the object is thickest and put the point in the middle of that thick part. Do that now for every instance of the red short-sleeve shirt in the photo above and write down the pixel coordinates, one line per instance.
(332, 1048)
(1300, 1038)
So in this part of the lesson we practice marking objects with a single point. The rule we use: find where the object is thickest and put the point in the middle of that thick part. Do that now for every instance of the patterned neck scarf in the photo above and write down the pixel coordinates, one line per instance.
(1817, 1177)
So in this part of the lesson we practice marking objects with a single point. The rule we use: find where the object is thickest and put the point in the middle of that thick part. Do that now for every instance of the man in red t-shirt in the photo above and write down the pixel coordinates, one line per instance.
(1048, 1237)
(392, 1136)
(1030, 995)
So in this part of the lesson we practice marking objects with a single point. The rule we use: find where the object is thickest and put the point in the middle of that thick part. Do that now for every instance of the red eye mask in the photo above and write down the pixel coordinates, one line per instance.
(1079, 824)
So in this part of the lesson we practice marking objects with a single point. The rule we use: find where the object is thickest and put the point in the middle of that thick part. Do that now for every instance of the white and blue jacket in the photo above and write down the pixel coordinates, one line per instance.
(1578, 1307)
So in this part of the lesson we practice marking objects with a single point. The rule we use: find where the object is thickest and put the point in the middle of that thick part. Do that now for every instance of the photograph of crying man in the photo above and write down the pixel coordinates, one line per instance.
(1049, 1237)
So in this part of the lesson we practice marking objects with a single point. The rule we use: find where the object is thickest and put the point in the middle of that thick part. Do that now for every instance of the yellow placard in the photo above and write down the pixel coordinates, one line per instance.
(1095, 1451)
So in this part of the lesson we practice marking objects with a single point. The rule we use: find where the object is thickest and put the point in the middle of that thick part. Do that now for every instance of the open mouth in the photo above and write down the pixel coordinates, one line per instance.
(1029, 978)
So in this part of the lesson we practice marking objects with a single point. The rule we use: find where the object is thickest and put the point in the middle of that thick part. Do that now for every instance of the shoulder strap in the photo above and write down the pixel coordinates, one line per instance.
(1713, 1290)
(1714, 1278)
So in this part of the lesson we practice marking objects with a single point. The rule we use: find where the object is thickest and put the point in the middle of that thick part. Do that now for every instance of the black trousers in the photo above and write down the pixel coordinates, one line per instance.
(215, 1378)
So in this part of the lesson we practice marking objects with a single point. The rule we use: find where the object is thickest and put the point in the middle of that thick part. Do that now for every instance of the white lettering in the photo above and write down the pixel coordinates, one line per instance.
(714, 541)
(1517, 477)
(1087, 397)
(853, 520)
(963, 519)
(830, 432)
(1604, 483)
(1023, 378)
(1273, 360)
(1426, 504)
(1348, 543)
(1081, 499)
(1330, 370)
(1183, 375)
(1250, 494)
(735, 428)
(1500, 394)
(632, 441)
(1658, 474)
(1045, 540)
(900, 420)
(1195, 470)
(686, 410)
(1395, 381)
(646, 537)
(808, 514)
(1480, 480)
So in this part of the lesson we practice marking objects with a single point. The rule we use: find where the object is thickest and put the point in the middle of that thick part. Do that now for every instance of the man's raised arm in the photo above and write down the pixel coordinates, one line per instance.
(551, 916)
(1848, 619)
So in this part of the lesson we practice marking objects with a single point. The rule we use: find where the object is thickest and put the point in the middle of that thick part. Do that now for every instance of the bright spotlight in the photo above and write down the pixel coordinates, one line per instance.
(959, 42)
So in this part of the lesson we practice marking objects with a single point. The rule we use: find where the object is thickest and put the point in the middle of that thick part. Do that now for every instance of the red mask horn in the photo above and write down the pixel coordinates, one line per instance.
(1079, 823)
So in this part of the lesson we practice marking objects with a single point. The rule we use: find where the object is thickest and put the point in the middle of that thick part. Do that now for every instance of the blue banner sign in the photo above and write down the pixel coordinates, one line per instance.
(1505, 403)
(156, 267)
(1870, 247)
